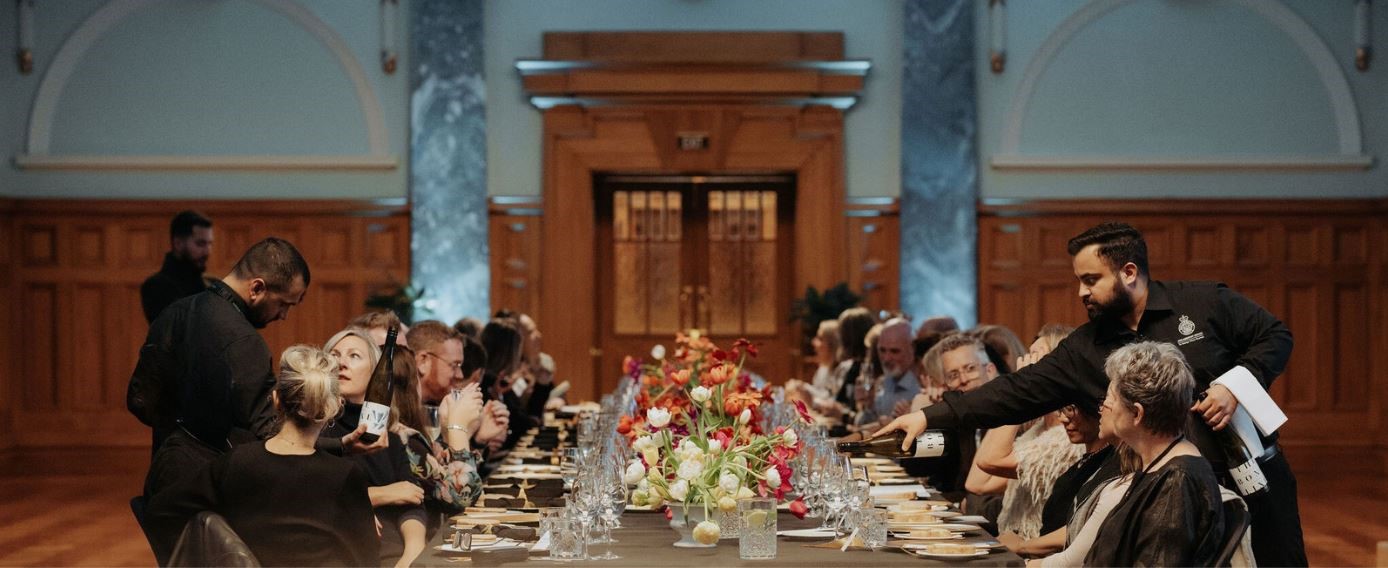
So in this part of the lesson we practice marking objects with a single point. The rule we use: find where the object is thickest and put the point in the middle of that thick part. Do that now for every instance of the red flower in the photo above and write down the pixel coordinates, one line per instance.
(670, 513)
(631, 367)
(718, 375)
(624, 425)
(745, 346)
(735, 402)
(798, 508)
(680, 377)
(803, 412)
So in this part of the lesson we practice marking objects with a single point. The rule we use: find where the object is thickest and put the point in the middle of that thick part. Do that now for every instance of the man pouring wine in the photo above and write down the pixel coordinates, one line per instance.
(1232, 344)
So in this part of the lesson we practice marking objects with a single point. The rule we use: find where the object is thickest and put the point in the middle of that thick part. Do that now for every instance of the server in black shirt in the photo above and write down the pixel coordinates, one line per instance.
(1217, 329)
(190, 243)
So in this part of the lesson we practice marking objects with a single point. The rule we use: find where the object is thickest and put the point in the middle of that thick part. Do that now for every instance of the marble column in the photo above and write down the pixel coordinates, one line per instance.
(448, 149)
(939, 162)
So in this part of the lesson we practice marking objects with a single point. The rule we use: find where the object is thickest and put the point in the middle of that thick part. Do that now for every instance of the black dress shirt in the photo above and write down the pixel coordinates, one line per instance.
(1214, 327)
(176, 279)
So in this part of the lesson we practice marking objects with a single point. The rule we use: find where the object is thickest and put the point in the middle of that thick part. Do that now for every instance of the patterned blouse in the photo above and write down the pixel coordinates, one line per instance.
(450, 479)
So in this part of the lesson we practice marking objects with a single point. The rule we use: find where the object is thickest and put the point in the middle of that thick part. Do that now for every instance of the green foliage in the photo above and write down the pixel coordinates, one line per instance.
(397, 298)
(816, 307)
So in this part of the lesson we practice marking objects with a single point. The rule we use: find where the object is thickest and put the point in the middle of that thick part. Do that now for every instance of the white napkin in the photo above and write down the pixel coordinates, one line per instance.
(541, 545)
(1260, 407)
(880, 490)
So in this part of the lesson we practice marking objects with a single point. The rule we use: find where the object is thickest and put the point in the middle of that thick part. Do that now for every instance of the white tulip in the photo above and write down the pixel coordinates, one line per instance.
(658, 352)
(745, 417)
(635, 472)
(657, 417)
(678, 490)
(642, 443)
(790, 437)
(700, 394)
(729, 483)
(643, 485)
(773, 477)
(690, 469)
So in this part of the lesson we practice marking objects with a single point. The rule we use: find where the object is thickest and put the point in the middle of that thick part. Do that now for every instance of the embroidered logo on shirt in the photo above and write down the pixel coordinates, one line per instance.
(1186, 327)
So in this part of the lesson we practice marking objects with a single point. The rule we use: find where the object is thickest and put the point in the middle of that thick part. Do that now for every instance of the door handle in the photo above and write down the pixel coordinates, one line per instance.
(704, 311)
(686, 308)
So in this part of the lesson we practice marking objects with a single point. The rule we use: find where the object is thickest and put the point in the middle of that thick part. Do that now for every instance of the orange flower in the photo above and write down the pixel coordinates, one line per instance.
(718, 375)
(680, 377)
(735, 402)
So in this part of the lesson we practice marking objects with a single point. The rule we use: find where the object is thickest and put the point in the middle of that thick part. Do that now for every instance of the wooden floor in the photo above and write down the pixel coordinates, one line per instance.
(61, 508)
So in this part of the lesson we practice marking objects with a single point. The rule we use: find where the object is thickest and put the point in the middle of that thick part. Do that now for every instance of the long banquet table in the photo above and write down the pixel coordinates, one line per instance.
(646, 539)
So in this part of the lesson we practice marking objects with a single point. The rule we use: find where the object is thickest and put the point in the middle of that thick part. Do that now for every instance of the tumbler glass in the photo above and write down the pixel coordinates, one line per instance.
(758, 539)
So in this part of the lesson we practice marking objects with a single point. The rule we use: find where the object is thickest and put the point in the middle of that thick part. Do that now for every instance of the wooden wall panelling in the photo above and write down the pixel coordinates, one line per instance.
(9, 369)
(1320, 269)
(874, 254)
(514, 234)
(75, 268)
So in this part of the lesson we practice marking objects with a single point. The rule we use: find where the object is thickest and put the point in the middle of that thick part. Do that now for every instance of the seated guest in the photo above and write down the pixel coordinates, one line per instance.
(854, 325)
(291, 504)
(899, 383)
(502, 340)
(1078, 537)
(868, 383)
(441, 363)
(932, 374)
(534, 376)
(468, 327)
(1172, 514)
(376, 323)
(394, 492)
(1098, 466)
(1004, 347)
(965, 363)
(821, 385)
(1022, 462)
(446, 467)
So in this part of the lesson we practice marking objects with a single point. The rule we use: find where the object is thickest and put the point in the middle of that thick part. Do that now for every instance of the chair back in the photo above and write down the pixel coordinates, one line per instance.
(1235, 524)
(208, 540)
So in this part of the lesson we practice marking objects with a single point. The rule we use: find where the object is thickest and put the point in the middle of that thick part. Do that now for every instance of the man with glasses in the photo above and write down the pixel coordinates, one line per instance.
(438, 352)
(965, 364)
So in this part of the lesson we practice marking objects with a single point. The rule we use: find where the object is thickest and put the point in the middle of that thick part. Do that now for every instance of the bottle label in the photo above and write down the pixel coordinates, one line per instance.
(1249, 478)
(930, 445)
(376, 416)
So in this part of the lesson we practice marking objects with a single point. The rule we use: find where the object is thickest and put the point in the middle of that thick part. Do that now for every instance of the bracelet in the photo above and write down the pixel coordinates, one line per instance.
(458, 427)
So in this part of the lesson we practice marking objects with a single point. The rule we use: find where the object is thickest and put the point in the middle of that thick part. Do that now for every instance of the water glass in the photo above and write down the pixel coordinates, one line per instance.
(568, 539)
(758, 540)
(547, 517)
(872, 527)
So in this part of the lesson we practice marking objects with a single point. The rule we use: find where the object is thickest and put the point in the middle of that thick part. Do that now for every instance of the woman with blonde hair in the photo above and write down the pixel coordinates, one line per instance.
(395, 492)
(291, 504)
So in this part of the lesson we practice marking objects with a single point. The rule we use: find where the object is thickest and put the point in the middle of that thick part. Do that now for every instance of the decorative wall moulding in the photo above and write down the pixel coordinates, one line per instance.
(109, 16)
(1178, 163)
(194, 163)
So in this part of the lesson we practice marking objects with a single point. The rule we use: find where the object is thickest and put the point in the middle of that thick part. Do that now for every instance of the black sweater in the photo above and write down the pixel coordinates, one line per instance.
(290, 510)
(382, 468)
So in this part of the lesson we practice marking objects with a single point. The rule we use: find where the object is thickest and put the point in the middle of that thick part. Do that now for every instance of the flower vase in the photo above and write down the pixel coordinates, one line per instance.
(683, 521)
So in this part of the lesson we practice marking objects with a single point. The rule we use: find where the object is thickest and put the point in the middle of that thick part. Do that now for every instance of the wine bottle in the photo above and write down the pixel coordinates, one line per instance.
(375, 412)
(931, 444)
(1242, 448)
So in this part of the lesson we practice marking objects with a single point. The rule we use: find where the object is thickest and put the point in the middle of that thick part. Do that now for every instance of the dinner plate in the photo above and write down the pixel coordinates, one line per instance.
(926, 553)
(909, 536)
(956, 527)
(808, 533)
(503, 544)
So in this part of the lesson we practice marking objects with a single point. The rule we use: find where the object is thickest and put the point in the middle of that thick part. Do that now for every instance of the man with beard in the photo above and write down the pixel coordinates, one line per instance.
(190, 243)
(899, 383)
(204, 376)
(1226, 338)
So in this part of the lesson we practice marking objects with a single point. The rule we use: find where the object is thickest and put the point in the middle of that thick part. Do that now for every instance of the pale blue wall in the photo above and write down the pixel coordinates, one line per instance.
(207, 78)
(1188, 77)
(872, 30)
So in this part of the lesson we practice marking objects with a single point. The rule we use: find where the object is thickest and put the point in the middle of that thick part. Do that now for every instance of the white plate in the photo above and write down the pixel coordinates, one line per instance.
(502, 544)
(808, 533)
(928, 554)
(870, 461)
(907, 536)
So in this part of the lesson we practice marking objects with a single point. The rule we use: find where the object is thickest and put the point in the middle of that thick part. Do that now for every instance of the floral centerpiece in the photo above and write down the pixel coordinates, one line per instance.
(698, 436)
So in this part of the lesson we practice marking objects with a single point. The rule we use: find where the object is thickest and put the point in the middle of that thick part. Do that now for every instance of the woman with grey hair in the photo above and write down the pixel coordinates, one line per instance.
(1171, 513)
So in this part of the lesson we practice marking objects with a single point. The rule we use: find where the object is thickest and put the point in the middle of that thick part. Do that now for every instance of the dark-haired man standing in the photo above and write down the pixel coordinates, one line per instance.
(190, 243)
(1230, 342)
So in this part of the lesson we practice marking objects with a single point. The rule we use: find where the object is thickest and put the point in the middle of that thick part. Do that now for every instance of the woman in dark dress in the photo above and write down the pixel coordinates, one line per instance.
(1171, 514)
(395, 493)
(291, 504)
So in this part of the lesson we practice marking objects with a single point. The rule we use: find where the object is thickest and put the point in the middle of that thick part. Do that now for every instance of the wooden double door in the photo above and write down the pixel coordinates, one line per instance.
(712, 253)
